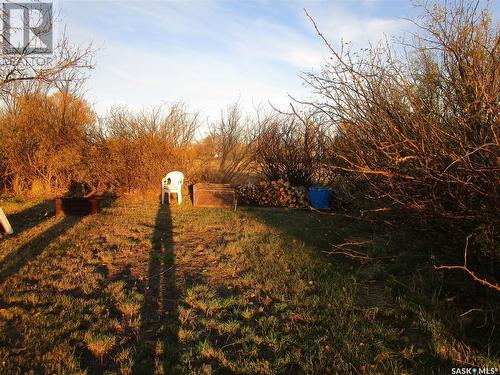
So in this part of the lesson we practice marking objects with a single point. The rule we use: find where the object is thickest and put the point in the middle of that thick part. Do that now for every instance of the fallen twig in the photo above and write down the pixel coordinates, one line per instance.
(351, 253)
(481, 310)
(160, 273)
(468, 271)
(340, 215)
(358, 254)
(353, 243)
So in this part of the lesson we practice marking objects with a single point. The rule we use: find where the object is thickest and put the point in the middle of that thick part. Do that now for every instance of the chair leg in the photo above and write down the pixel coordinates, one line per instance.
(168, 195)
(162, 197)
(179, 198)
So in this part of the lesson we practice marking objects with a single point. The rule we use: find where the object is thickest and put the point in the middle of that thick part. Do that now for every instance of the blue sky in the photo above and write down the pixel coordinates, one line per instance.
(210, 54)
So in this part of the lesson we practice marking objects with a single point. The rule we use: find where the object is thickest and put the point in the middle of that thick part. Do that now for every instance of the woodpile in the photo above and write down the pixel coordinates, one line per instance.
(277, 193)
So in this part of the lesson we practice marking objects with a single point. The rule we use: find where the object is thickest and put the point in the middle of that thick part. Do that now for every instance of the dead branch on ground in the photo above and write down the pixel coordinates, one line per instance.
(468, 271)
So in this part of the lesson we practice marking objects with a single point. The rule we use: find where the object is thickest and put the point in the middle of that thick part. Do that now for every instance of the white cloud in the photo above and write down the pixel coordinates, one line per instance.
(254, 59)
(337, 24)
(157, 78)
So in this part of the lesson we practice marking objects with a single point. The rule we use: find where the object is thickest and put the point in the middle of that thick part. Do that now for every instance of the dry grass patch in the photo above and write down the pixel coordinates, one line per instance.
(141, 288)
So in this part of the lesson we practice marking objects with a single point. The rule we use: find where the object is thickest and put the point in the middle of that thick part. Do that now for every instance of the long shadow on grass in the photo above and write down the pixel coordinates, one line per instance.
(30, 217)
(158, 343)
(33, 248)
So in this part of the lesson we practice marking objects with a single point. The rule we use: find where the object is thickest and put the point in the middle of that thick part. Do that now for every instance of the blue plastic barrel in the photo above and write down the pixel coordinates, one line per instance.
(319, 197)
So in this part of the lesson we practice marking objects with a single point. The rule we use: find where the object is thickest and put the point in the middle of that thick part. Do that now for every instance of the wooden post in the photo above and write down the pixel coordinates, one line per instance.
(5, 223)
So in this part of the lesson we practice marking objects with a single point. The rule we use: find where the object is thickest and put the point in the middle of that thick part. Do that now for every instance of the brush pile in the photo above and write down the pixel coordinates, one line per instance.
(277, 193)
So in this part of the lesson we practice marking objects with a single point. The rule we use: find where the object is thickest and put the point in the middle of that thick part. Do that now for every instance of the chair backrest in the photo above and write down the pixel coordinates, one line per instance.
(174, 178)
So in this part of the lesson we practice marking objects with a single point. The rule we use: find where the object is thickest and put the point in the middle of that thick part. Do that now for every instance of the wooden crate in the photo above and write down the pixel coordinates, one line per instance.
(214, 195)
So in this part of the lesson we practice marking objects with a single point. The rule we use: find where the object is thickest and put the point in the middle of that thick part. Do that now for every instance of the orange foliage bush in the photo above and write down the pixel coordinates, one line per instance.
(42, 141)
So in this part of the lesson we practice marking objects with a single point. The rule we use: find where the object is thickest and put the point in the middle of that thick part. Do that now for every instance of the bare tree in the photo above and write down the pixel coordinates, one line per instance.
(233, 138)
(290, 146)
(62, 66)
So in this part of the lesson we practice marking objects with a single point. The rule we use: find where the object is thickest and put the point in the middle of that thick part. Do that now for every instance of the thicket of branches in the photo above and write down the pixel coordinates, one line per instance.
(42, 140)
(48, 141)
(230, 144)
(292, 146)
(132, 152)
(419, 121)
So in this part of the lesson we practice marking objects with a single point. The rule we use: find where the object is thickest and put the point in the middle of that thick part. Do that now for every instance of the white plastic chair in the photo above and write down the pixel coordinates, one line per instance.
(172, 183)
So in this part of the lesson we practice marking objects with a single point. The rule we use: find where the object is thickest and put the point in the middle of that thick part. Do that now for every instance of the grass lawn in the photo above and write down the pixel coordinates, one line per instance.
(145, 288)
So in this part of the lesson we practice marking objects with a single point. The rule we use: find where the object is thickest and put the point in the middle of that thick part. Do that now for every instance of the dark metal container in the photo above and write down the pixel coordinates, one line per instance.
(76, 206)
